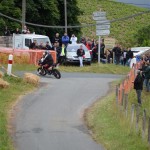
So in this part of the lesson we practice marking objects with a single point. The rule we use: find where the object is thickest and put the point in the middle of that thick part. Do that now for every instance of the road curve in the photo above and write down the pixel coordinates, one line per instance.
(51, 118)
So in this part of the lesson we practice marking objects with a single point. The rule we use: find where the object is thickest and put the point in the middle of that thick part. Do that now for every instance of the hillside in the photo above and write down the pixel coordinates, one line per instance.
(123, 31)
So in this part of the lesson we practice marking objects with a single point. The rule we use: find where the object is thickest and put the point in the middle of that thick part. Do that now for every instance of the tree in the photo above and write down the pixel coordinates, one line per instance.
(8, 8)
(72, 15)
(143, 36)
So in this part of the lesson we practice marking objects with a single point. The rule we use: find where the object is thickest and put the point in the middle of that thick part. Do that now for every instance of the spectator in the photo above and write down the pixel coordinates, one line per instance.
(146, 71)
(117, 52)
(62, 56)
(95, 52)
(24, 30)
(88, 45)
(6, 32)
(17, 31)
(28, 31)
(124, 55)
(83, 40)
(41, 46)
(34, 45)
(102, 47)
(58, 50)
(47, 46)
(56, 39)
(80, 54)
(73, 39)
(65, 39)
(92, 44)
(138, 86)
(129, 56)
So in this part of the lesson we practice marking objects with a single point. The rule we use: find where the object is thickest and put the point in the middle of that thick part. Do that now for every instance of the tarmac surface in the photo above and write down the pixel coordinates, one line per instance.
(51, 118)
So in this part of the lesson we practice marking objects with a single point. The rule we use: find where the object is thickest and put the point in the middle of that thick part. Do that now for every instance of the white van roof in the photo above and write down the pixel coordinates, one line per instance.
(33, 35)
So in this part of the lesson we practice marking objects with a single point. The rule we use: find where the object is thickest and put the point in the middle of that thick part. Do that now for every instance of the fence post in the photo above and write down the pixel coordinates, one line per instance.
(144, 124)
(113, 57)
(117, 94)
(126, 105)
(149, 130)
(122, 100)
(132, 114)
(137, 117)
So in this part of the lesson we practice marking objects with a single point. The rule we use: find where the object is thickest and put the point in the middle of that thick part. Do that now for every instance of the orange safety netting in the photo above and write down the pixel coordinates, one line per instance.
(126, 86)
(32, 56)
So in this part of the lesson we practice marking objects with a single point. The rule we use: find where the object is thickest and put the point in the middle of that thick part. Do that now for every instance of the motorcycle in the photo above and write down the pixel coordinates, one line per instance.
(43, 70)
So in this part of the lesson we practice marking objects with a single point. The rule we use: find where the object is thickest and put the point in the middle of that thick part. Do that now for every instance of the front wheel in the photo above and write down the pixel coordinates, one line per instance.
(41, 71)
(56, 73)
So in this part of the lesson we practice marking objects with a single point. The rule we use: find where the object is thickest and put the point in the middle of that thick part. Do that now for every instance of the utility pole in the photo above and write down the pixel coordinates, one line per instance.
(65, 8)
(23, 13)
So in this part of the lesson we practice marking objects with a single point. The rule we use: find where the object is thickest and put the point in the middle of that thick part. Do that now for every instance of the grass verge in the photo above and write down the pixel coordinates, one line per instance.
(97, 68)
(110, 126)
(7, 98)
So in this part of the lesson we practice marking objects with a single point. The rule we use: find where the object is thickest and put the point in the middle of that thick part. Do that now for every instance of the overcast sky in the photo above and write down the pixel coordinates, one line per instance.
(141, 3)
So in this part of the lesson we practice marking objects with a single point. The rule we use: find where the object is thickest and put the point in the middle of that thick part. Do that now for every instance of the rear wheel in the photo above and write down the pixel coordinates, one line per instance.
(56, 73)
(41, 71)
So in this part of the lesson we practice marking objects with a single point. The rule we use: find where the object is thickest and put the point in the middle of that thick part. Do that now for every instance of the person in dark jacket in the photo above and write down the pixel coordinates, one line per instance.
(129, 56)
(57, 38)
(48, 59)
(138, 86)
(146, 72)
(80, 54)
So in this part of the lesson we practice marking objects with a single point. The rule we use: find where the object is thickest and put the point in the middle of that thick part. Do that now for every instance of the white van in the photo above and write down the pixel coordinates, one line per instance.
(23, 41)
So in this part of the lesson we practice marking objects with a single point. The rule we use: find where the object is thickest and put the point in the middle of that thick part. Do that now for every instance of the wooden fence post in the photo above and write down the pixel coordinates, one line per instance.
(122, 100)
(137, 117)
(144, 124)
(149, 130)
(132, 114)
(117, 94)
(126, 104)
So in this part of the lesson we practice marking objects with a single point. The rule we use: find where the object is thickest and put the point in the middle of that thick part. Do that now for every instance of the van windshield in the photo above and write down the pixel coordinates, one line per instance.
(74, 48)
(41, 40)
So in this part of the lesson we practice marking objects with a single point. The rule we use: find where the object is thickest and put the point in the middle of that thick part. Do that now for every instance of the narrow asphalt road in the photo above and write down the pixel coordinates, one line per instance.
(51, 117)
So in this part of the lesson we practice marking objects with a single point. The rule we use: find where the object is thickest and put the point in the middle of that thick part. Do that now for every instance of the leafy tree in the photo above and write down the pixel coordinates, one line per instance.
(8, 8)
(72, 15)
(143, 36)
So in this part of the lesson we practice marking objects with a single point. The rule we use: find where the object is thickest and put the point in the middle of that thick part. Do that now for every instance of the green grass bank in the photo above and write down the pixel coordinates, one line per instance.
(124, 31)
(8, 97)
(112, 128)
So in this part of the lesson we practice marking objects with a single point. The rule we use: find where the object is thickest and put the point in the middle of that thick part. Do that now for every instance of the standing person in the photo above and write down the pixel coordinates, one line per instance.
(73, 39)
(62, 56)
(138, 86)
(6, 32)
(124, 56)
(47, 46)
(80, 54)
(129, 56)
(147, 75)
(56, 39)
(117, 51)
(102, 47)
(83, 40)
(34, 45)
(17, 31)
(65, 39)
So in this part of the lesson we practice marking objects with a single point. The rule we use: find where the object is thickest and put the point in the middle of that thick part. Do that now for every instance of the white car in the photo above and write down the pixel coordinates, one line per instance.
(139, 50)
(71, 54)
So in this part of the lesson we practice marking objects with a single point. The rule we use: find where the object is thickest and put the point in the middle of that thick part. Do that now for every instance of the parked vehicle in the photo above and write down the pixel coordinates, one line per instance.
(43, 70)
(71, 54)
(139, 50)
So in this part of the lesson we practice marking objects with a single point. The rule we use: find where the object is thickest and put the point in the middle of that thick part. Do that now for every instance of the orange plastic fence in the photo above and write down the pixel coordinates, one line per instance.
(126, 86)
(33, 55)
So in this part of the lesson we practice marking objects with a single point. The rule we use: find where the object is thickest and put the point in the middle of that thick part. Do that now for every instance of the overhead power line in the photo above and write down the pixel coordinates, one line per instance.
(76, 26)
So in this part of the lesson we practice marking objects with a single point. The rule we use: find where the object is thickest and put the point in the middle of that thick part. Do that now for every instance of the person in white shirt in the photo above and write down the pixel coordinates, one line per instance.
(73, 39)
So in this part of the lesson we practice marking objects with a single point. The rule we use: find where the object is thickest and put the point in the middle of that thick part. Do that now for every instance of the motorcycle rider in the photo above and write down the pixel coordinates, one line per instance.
(47, 59)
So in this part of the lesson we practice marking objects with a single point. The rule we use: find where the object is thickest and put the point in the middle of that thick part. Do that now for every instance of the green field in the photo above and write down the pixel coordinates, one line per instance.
(123, 31)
